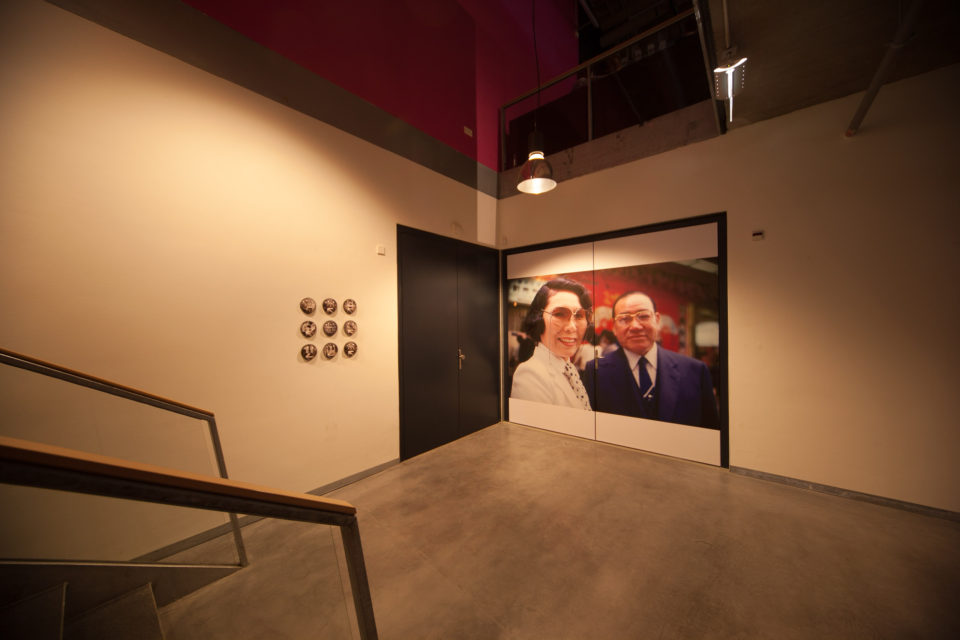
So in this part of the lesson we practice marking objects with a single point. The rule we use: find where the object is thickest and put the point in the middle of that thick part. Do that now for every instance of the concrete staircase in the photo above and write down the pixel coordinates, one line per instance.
(36, 617)
(53, 601)
(130, 616)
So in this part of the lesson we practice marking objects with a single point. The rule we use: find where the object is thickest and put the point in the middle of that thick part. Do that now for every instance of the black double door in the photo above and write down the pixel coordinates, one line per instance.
(449, 339)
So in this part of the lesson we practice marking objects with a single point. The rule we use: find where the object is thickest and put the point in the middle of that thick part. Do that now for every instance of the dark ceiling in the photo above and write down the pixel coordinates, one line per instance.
(806, 52)
(800, 53)
(603, 24)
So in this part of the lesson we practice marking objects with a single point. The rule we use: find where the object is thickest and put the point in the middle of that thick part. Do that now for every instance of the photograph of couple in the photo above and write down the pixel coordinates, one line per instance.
(648, 349)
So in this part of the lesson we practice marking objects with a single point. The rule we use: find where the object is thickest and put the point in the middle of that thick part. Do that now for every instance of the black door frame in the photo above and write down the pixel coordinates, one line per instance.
(720, 218)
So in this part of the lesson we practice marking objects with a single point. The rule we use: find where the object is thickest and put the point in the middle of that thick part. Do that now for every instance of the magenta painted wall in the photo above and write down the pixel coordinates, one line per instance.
(438, 65)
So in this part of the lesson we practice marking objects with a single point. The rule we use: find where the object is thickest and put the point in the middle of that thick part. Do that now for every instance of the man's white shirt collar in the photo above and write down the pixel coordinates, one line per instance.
(634, 358)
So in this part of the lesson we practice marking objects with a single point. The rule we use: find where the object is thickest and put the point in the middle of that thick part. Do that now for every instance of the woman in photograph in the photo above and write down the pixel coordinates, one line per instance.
(556, 323)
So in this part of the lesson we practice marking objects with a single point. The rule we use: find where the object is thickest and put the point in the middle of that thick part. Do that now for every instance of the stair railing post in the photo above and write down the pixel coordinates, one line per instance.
(353, 551)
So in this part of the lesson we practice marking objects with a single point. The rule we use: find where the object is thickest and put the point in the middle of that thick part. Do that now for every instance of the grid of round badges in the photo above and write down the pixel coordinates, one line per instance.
(328, 328)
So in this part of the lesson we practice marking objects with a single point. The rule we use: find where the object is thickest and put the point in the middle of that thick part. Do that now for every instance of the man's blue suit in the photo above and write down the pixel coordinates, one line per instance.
(684, 390)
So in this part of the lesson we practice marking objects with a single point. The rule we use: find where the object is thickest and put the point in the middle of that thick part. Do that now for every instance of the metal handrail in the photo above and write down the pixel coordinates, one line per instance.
(100, 384)
(51, 467)
(80, 378)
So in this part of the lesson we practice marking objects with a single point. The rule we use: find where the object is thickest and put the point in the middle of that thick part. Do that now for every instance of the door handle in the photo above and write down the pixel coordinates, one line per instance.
(460, 359)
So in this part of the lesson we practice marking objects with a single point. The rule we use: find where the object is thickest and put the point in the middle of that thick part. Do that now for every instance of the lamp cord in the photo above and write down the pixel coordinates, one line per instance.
(536, 58)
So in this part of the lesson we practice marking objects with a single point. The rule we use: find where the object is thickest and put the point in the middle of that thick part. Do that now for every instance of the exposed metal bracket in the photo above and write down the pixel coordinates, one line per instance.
(709, 63)
(900, 39)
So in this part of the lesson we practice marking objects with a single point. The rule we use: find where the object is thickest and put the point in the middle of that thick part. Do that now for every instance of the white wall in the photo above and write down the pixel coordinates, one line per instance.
(843, 322)
(158, 227)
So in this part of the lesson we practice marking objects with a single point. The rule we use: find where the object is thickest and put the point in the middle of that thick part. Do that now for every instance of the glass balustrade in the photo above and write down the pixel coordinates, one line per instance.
(39, 407)
(655, 73)
(307, 580)
(297, 586)
(49, 525)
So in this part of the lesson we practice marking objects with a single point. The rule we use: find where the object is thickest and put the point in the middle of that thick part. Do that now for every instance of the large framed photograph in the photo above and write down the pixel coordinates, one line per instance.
(622, 340)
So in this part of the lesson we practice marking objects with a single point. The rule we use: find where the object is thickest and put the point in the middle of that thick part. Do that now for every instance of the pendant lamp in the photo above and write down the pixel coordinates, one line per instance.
(536, 174)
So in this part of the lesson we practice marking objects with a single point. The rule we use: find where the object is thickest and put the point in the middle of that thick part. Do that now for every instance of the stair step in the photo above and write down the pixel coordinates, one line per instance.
(92, 583)
(36, 617)
(132, 616)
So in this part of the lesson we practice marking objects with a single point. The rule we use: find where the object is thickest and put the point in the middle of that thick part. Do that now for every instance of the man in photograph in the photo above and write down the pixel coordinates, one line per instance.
(644, 380)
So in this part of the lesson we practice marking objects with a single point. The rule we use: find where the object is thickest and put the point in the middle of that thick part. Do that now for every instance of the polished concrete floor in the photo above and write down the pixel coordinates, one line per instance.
(514, 532)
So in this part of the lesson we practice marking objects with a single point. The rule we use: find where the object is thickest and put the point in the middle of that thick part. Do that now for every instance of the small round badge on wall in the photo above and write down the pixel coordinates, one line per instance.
(308, 305)
(350, 306)
(329, 306)
(308, 352)
(350, 349)
(308, 328)
(329, 328)
(349, 327)
(329, 350)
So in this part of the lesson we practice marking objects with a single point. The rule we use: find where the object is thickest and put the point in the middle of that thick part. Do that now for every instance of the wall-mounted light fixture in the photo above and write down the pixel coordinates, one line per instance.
(728, 80)
(536, 174)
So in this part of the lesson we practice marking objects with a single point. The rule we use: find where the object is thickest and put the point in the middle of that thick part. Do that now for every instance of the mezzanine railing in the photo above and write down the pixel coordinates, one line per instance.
(663, 69)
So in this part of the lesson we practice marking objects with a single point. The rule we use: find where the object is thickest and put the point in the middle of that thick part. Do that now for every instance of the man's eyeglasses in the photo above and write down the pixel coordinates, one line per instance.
(563, 314)
(626, 319)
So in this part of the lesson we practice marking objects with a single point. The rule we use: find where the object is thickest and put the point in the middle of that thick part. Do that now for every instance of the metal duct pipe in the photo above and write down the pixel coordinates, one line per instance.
(726, 28)
(719, 117)
(900, 39)
(586, 9)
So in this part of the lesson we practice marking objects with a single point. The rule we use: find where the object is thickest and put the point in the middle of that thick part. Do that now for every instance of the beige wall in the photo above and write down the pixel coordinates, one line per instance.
(843, 322)
(158, 227)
